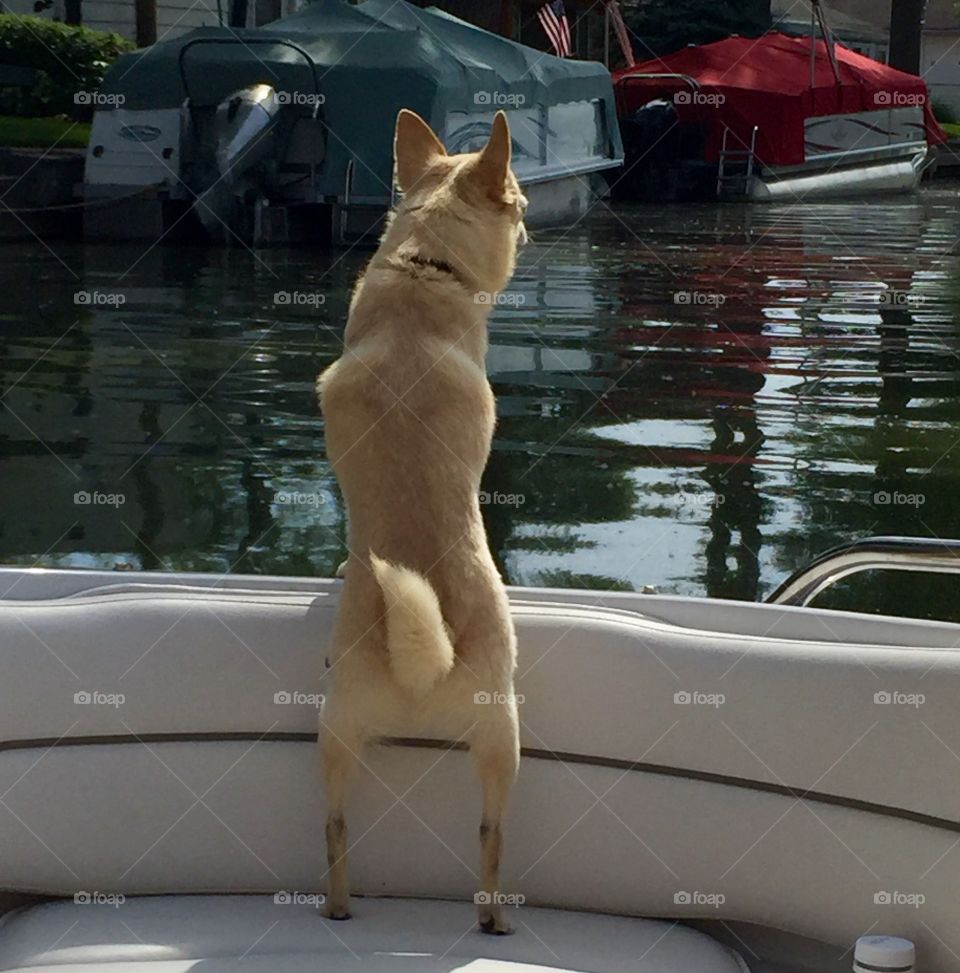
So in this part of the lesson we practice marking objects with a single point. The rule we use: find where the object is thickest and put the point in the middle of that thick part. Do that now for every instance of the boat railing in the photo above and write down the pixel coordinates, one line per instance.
(347, 200)
(630, 79)
(247, 42)
(870, 554)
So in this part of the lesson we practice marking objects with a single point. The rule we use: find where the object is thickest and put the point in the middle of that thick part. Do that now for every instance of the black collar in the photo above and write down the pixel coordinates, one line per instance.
(445, 268)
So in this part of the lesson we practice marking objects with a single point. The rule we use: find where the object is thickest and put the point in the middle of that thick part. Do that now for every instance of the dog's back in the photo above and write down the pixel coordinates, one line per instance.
(410, 417)
(409, 411)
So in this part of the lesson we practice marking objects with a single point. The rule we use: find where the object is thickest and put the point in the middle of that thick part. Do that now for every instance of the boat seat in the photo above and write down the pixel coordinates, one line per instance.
(163, 742)
(258, 934)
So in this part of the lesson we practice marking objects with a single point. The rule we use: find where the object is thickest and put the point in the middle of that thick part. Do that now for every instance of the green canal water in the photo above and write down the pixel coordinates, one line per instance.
(696, 399)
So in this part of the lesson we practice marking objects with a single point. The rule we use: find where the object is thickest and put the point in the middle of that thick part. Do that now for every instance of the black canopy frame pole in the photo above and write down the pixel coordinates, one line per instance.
(816, 12)
(606, 35)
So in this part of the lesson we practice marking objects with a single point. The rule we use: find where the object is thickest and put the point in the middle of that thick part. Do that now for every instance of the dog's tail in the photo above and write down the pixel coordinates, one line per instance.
(418, 641)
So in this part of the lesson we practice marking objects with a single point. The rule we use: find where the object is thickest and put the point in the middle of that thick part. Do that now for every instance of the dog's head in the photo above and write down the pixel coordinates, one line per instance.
(466, 210)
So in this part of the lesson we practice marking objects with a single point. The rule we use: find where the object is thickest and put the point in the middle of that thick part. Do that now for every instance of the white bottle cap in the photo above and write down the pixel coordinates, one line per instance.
(883, 954)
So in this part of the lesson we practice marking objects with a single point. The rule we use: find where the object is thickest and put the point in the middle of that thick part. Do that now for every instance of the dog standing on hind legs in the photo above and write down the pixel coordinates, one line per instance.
(423, 640)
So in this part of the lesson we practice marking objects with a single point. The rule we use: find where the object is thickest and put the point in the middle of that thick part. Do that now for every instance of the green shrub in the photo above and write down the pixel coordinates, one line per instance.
(943, 112)
(67, 60)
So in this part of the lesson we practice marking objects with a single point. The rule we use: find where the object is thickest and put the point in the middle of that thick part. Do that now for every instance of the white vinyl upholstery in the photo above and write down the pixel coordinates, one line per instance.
(596, 681)
(254, 934)
(200, 781)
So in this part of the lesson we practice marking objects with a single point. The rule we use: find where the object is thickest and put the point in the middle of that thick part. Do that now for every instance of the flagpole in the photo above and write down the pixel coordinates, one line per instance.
(623, 34)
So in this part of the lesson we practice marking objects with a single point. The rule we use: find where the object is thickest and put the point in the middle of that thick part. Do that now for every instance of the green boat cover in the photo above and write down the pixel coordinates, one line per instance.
(367, 61)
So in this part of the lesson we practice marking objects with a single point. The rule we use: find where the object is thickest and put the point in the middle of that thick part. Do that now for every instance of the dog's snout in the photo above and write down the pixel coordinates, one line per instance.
(522, 235)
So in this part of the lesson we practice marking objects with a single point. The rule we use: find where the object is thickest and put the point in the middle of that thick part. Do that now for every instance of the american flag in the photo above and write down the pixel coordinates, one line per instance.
(553, 17)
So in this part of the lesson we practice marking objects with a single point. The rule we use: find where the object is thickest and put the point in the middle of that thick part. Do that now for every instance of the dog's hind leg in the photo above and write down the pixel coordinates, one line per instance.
(496, 755)
(339, 751)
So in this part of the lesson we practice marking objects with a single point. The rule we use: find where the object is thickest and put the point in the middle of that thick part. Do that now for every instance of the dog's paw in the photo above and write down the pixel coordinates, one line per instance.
(340, 914)
(495, 926)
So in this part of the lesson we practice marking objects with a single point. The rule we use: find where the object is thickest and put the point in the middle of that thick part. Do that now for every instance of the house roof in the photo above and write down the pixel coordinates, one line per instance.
(940, 13)
(876, 12)
(794, 17)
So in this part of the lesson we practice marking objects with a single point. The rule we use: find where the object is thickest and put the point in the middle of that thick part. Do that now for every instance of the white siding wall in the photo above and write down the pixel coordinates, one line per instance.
(115, 15)
(21, 7)
(940, 67)
(174, 17)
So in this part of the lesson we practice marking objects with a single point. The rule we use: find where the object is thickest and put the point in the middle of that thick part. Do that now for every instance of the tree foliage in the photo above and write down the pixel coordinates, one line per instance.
(662, 26)
(67, 60)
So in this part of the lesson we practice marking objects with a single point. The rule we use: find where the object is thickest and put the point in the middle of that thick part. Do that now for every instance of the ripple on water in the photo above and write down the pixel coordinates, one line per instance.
(696, 398)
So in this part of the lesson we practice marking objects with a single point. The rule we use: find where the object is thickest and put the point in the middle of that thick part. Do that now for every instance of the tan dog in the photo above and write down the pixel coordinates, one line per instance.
(424, 640)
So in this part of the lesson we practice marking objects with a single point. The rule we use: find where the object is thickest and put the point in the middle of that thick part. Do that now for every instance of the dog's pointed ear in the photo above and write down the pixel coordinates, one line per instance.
(414, 148)
(494, 161)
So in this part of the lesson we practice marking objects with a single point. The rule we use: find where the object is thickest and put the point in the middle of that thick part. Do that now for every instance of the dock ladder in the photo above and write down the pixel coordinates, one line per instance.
(737, 165)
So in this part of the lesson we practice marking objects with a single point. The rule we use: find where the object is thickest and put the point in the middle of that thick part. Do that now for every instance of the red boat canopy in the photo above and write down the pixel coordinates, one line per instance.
(765, 82)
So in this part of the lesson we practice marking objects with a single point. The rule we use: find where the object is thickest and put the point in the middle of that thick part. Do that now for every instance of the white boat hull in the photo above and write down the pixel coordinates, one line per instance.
(902, 175)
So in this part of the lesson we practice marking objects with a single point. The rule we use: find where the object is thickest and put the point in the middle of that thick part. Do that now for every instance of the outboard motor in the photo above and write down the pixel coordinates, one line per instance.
(664, 157)
(243, 129)
(649, 150)
(247, 141)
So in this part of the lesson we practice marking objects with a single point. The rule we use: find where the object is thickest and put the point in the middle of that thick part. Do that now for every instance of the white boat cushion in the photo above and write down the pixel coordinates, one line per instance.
(258, 934)
(668, 772)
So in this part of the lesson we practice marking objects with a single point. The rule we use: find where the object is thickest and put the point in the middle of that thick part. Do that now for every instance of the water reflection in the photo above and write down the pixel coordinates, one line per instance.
(696, 399)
